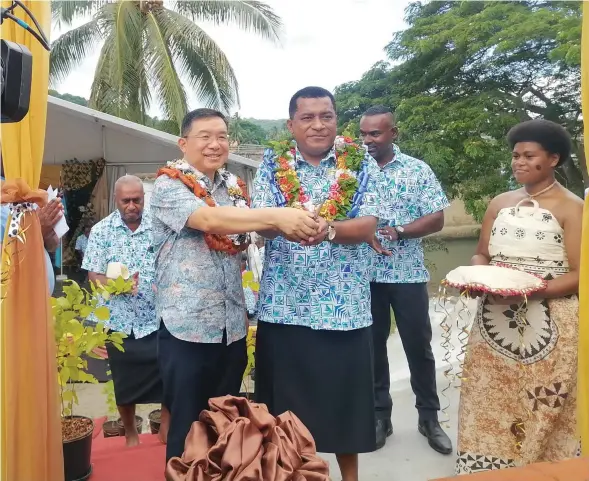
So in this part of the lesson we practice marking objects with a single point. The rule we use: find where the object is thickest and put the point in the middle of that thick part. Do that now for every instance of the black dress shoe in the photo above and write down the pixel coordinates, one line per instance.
(436, 437)
(384, 428)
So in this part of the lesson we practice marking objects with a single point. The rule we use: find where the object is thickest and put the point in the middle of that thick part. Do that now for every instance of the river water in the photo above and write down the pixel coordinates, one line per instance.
(459, 252)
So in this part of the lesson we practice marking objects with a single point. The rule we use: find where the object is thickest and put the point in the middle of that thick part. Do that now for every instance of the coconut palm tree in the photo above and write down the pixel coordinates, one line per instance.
(150, 47)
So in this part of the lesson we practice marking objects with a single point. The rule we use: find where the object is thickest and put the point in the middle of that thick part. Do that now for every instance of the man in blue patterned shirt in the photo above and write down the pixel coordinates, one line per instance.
(314, 344)
(200, 299)
(414, 203)
(125, 237)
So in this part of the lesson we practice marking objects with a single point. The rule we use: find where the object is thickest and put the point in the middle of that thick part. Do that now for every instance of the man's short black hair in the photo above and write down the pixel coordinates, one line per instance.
(309, 93)
(377, 110)
(551, 136)
(199, 114)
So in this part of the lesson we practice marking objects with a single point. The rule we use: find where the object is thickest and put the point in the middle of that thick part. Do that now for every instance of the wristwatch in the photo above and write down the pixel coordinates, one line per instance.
(400, 230)
(330, 232)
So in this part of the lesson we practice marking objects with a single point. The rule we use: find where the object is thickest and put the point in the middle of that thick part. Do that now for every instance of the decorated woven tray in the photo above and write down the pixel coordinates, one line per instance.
(499, 280)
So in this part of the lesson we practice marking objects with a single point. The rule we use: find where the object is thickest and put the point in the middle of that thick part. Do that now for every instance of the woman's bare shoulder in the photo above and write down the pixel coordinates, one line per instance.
(573, 198)
(573, 204)
(568, 207)
(506, 199)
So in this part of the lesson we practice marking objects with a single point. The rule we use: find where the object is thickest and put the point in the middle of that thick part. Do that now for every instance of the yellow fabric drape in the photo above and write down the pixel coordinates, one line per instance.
(30, 426)
(583, 384)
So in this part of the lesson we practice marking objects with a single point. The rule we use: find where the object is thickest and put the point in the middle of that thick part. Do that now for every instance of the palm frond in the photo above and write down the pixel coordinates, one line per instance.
(160, 63)
(201, 62)
(251, 15)
(128, 37)
(117, 86)
(103, 96)
(65, 11)
(71, 49)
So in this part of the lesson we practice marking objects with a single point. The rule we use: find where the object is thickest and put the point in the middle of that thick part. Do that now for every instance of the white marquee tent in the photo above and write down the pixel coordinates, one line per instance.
(74, 131)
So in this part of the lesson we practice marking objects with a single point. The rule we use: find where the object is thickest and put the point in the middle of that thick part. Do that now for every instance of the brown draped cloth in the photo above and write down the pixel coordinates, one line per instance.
(237, 440)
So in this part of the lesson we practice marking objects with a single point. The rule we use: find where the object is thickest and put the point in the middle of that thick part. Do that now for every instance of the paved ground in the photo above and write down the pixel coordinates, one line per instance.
(406, 456)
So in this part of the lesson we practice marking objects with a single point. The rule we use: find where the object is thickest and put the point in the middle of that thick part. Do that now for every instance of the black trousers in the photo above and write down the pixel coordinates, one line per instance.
(410, 304)
(192, 373)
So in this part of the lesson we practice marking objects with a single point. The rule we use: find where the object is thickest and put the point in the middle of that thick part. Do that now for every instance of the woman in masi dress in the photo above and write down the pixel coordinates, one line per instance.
(518, 399)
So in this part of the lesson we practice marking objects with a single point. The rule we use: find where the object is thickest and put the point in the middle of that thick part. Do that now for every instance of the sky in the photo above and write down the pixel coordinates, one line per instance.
(324, 43)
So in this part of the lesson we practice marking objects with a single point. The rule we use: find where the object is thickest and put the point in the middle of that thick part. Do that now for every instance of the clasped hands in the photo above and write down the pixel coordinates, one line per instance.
(49, 215)
(301, 226)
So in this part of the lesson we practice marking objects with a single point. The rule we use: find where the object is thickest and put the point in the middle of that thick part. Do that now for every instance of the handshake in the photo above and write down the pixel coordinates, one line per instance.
(301, 226)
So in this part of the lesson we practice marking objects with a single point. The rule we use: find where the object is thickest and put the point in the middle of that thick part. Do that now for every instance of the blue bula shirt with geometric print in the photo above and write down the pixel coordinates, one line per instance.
(324, 286)
(112, 241)
(410, 191)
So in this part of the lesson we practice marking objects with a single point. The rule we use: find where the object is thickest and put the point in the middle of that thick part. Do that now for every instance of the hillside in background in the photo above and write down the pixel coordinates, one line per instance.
(70, 98)
(269, 125)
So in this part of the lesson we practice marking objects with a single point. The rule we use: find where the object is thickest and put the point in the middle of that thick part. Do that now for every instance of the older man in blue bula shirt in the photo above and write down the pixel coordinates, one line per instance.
(414, 202)
(200, 212)
(314, 343)
(125, 237)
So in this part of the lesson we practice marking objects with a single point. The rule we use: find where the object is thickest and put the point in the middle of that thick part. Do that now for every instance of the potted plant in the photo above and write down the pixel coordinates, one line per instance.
(110, 428)
(155, 420)
(114, 428)
(74, 338)
(249, 282)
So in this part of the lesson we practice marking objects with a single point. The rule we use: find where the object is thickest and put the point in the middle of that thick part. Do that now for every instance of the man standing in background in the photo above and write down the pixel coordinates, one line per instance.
(125, 237)
(414, 206)
(82, 243)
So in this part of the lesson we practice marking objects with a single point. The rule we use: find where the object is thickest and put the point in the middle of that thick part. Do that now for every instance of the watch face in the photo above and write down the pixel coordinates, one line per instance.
(400, 229)
(330, 233)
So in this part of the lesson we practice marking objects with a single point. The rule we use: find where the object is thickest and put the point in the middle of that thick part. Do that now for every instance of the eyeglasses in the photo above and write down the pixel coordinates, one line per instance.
(208, 139)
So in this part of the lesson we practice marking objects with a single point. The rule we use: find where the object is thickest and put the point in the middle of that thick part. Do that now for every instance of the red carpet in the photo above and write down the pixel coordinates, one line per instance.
(112, 461)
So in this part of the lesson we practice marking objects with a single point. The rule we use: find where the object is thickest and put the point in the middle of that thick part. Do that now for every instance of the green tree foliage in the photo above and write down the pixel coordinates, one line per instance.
(244, 131)
(70, 98)
(270, 125)
(149, 46)
(463, 74)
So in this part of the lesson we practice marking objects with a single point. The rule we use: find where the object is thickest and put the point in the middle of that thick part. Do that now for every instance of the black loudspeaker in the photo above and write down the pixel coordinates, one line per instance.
(15, 81)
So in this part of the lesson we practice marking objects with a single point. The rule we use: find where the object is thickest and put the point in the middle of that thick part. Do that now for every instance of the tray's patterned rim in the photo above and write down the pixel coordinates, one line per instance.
(478, 287)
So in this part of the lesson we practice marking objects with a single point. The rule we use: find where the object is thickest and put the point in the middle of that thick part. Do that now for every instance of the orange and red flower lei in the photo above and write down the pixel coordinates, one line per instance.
(349, 157)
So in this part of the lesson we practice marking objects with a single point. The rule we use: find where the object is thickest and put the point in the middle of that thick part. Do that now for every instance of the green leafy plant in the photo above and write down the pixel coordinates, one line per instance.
(247, 280)
(251, 351)
(74, 337)
(109, 391)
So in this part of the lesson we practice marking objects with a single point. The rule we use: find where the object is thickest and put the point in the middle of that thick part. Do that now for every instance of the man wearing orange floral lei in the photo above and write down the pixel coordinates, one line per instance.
(200, 217)
(313, 343)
